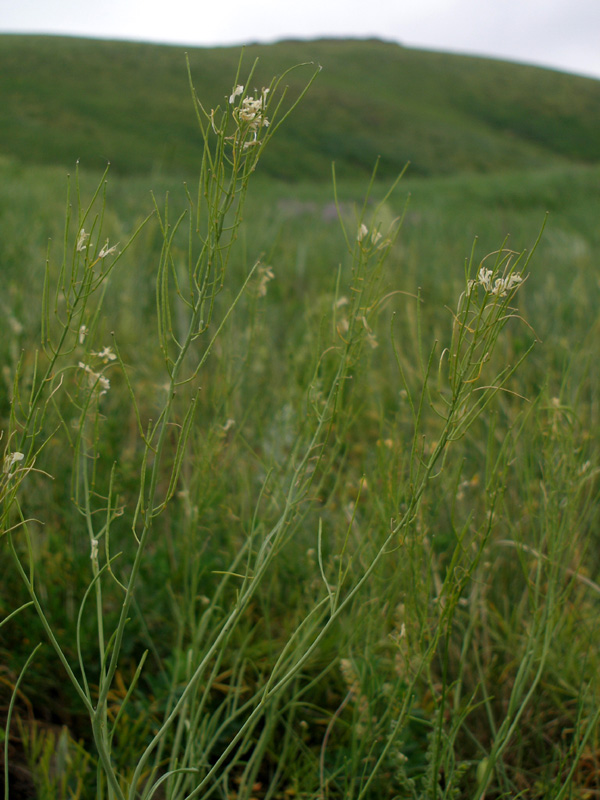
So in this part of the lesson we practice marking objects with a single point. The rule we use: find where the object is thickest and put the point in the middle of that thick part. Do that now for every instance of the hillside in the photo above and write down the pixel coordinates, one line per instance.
(65, 99)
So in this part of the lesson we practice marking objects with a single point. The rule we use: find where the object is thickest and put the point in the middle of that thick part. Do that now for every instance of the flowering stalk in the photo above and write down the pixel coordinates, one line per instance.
(71, 309)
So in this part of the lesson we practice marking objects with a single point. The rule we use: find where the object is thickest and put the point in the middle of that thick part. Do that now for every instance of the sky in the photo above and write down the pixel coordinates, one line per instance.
(560, 34)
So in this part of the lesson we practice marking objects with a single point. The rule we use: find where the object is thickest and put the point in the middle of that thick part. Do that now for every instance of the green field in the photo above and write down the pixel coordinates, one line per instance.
(300, 476)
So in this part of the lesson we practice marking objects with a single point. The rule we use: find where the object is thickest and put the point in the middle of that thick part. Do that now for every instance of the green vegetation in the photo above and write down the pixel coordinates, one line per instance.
(97, 101)
(299, 490)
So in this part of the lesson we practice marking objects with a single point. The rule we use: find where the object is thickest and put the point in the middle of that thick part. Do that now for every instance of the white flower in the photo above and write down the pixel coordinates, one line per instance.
(252, 111)
(83, 332)
(500, 287)
(376, 235)
(94, 550)
(107, 251)
(106, 354)
(10, 460)
(236, 92)
(503, 286)
(484, 277)
(95, 378)
(82, 240)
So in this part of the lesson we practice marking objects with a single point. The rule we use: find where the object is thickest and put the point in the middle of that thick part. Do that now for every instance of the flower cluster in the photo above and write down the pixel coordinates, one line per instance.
(499, 287)
(363, 232)
(373, 239)
(251, 111)
(106, 354)
(107, 251)
(83, 243)
(95, 378)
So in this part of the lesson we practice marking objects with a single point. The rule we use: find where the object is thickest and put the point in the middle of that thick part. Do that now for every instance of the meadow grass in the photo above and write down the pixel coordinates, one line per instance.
(307, 501)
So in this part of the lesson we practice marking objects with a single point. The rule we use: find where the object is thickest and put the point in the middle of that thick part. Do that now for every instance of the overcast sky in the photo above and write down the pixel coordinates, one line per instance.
(563, 34)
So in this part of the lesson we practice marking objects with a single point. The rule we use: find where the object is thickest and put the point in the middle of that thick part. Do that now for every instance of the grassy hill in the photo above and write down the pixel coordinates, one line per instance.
(65, 99)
